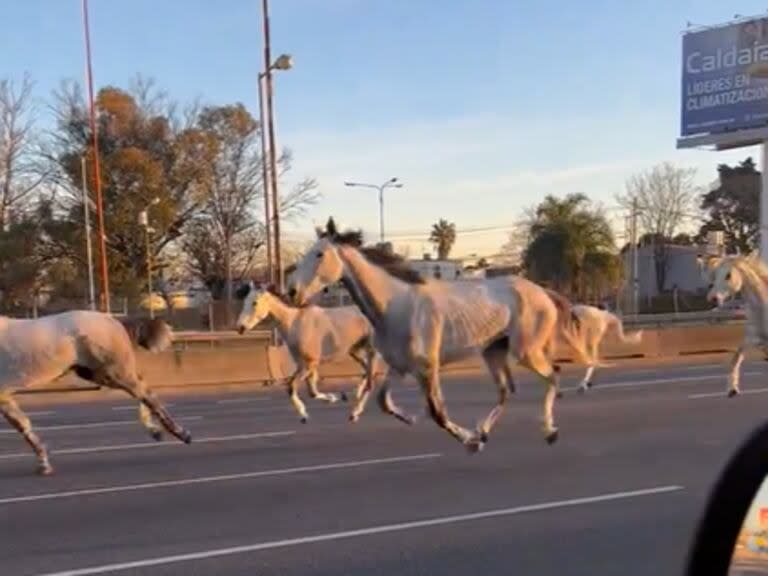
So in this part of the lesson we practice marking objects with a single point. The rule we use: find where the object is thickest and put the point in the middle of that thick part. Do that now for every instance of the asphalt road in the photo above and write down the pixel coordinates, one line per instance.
(257, 493)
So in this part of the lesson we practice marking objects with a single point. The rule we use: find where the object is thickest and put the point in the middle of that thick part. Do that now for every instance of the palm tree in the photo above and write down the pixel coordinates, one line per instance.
(568, 242)
(443, 236)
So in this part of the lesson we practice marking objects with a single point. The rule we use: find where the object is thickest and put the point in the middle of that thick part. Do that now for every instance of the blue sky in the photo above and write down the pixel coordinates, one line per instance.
(480, 108)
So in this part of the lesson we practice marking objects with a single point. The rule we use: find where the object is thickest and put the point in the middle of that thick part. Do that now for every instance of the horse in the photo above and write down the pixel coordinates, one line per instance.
(595, 324)
(313, 335)
(96, 347)
(420, 324)
(729, 275)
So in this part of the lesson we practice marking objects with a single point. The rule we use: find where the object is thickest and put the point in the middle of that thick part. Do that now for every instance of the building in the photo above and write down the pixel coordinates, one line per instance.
(682, 270)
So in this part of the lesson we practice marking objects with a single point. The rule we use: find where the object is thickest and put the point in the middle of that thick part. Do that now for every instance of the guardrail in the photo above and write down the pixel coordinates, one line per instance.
(703, 317)
(228, 358)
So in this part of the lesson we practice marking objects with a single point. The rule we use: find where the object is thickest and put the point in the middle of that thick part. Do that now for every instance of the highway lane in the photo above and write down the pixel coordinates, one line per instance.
(259, 493)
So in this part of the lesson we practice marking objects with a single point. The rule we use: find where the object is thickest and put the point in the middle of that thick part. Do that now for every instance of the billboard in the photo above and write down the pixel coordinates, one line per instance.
(718, 92)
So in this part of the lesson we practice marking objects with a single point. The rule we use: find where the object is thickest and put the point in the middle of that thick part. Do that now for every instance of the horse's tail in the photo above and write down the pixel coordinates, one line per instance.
(569, 325)
(618, 326)
(153, 334)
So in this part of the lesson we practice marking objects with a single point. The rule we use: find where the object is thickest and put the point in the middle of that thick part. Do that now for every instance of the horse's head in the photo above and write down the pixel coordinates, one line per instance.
(320, 266)
(725, 279)
(255, 306)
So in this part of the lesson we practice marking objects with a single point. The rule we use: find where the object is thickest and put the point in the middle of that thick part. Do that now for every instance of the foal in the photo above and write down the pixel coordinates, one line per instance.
(314, 335)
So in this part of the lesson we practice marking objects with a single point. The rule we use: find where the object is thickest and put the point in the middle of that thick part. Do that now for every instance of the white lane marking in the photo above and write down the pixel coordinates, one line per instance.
(722, 394)
(88, 425)
(136, 407)
(242, 400)
(381, 529)
(639, 383)
(137, 445)
(221, 478)
(40, 413)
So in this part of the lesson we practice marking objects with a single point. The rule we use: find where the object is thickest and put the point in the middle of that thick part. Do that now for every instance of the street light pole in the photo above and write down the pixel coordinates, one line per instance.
(102, 243)
(268, 65)
(144, 222)
(88, 249)
(391, 183)
(265, 181)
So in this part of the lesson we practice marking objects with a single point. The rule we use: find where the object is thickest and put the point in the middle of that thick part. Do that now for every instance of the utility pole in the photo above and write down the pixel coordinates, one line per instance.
(102, 235)
(635, 280)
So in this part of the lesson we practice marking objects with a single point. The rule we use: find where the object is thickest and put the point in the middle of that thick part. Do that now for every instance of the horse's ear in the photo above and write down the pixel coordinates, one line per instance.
(330, 228)
(243, 291)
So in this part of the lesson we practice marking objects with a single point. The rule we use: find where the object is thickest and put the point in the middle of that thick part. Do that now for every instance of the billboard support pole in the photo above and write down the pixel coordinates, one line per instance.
(764, 203)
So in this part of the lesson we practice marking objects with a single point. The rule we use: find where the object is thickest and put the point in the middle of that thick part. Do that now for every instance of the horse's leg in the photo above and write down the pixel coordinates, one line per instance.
(496, 357)
(145, 416)
(314, 392)
(16, 418)
(367, 383)
(367, 363)
(536, 361)
(150, 405)
(388, 405)
(586, 383)
(508, 375)
(430, 380)
(293, 384)
(733, 384)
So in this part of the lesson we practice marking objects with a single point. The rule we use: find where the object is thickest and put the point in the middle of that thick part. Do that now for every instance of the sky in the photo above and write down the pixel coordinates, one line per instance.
(480, 108)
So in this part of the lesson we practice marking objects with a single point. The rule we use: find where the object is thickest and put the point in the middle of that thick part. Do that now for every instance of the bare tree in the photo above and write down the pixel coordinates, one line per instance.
(20, 175)
(664, 198)
(224, 239)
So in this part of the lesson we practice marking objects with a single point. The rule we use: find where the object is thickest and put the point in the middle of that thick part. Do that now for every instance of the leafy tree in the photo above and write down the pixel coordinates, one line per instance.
(443, 236)
(567, 239)
(734, 207)
(147, 152)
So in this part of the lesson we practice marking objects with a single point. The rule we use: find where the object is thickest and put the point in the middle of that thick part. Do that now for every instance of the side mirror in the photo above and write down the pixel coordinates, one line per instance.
(732, 537)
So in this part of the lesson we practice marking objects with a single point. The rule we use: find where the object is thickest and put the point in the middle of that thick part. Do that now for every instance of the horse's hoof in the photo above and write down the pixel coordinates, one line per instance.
(304, 419)
(589, 384)
(156, 435)
(475, 446)
(483, 436)
(354, 418)
(552, 437)
(186, 436)
(343, 397)
(45, 469)
(559, 395)
(732, 393)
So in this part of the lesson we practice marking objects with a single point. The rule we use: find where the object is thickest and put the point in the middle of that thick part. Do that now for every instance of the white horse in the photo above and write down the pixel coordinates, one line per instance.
(313, 335)
(96, 347)
(420, 324)
(594, 326)
(728, 276)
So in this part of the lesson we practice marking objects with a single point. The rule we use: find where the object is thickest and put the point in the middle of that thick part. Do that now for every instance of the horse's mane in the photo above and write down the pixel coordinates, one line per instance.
(393, 263)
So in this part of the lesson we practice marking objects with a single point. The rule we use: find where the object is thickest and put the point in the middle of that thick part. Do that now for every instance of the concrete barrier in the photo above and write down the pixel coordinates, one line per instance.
(224, 359)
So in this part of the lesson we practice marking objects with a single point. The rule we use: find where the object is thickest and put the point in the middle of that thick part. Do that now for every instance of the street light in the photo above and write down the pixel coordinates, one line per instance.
(283, 62)
(391, 183)
(144, 223)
